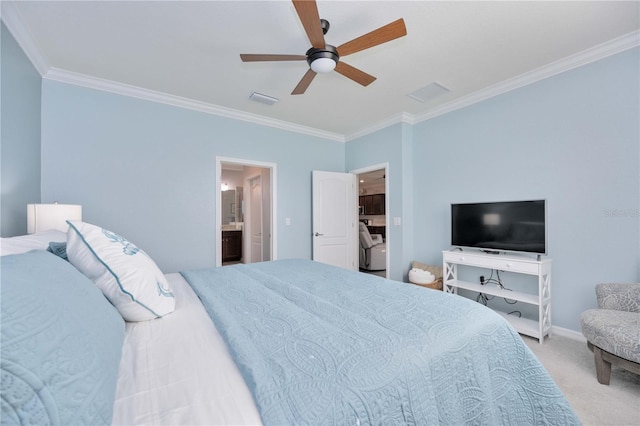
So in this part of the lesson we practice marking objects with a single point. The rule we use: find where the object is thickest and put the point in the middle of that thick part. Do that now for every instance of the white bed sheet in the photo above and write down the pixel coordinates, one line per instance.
(25, 243)
(176, 370)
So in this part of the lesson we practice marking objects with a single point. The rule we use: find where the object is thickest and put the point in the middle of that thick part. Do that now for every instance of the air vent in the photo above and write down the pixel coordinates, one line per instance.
(259, 97)
(429, 92)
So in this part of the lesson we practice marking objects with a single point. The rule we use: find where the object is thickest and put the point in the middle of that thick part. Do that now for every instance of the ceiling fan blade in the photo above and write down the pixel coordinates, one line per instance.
(308, 14)
(258, 58)
(354, 74)
(304, 83)
(383, 34)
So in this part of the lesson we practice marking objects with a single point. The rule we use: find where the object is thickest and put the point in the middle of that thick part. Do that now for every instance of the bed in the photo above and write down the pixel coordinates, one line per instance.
(283, 342)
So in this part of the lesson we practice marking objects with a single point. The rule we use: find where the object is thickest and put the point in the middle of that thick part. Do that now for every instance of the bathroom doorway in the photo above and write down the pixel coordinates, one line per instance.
(245, 225)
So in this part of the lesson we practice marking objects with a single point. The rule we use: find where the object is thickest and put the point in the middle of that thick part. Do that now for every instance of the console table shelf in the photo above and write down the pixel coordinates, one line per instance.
(492, 290)
(516, 264)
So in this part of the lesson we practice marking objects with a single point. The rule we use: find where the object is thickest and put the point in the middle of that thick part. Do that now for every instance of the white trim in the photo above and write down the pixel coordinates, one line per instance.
(403, 117)
(21, 33)
(566, 64)
(17, 28)
(373, 168)
(274, 197)
(585, 57)
(570, 334)
(56, 74)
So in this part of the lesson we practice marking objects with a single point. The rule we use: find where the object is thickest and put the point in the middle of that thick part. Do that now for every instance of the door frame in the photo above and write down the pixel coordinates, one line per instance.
(273, 202)
(373, 168)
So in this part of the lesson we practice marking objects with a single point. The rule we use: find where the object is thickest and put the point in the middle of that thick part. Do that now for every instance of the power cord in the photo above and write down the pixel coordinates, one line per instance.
(484, 298)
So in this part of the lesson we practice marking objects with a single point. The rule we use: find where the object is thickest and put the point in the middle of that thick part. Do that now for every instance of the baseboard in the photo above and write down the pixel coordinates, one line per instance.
(570, 334)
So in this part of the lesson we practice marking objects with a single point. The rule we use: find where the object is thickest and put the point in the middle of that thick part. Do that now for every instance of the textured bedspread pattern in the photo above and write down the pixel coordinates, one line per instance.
(320, 345)
(61, 344)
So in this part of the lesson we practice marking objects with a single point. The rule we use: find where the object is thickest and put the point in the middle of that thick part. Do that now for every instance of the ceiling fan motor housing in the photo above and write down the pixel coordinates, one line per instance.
(325, 26)
(329, 52)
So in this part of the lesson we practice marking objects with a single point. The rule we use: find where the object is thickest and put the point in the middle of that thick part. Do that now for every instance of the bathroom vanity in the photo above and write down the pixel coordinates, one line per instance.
(231, 245)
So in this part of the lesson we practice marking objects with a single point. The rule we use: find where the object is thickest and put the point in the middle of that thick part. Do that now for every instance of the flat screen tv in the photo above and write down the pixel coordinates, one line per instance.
(512, 226)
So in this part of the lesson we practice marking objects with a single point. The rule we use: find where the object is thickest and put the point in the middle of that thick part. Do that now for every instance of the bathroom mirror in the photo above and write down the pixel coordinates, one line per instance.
(239, 205)
(232, 206)
(228, 206)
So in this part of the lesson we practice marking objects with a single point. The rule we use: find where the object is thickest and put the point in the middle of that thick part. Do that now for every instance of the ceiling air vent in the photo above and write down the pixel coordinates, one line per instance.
(259, 97)
(429, 92)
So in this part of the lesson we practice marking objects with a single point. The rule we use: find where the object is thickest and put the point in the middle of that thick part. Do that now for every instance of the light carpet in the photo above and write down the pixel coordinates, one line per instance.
(571, 366)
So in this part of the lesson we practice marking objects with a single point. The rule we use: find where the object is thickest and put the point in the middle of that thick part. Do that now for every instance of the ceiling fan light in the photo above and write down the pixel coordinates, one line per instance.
(323, 60)
(323, 65)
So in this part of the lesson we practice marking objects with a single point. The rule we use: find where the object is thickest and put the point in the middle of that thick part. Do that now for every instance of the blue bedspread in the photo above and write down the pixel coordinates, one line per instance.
(320, 345)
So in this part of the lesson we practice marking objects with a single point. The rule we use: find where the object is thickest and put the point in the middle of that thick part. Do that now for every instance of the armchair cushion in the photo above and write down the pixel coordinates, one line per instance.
(613, 330)
(619, 296)
(617, 332)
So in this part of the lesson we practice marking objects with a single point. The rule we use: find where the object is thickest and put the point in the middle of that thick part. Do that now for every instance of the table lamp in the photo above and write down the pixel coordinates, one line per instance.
(42, 217)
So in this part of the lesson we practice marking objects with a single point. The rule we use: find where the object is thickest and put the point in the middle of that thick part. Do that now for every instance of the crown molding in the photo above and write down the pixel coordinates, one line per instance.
(11, 17)
(91, 82)
(15, 24)
(579, 59)
(403, 117)
(568, 63)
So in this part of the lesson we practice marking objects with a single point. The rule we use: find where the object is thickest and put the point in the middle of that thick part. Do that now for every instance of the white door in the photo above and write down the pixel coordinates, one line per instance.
(255, 228)
(334, 219)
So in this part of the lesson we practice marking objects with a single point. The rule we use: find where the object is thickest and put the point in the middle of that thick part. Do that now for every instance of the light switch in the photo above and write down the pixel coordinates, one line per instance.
(287, 221)
(397, 221)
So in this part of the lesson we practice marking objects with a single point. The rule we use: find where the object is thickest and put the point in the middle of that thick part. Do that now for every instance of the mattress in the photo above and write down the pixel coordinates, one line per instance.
(185, 377)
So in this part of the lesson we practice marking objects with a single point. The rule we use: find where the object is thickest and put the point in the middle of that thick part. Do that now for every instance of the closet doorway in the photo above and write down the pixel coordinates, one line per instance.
(245, 225)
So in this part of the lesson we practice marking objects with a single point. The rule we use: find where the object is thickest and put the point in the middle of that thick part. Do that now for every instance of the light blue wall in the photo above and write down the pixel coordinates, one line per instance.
(387, 146)
(20, 137)
(572, 139)
(147, 170)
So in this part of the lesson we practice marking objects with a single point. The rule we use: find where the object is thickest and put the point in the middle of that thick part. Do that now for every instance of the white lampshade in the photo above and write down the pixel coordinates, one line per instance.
(43, 217)
(322, 65)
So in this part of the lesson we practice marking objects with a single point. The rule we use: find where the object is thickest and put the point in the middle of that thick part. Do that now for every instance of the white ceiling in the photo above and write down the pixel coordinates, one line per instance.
(187, 53)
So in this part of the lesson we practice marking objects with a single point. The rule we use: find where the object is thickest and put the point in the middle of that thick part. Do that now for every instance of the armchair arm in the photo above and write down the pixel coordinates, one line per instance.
(377, 238)
(619, 296)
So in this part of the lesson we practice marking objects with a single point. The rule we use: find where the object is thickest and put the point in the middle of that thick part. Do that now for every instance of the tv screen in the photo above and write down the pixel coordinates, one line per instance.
(518, 226)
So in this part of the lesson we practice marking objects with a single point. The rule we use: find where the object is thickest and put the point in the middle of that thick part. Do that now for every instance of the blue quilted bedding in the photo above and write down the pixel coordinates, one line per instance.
(61, 344)
(321, 345)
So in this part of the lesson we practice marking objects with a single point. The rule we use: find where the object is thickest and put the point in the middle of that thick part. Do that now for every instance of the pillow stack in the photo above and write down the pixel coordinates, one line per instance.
(125, 274)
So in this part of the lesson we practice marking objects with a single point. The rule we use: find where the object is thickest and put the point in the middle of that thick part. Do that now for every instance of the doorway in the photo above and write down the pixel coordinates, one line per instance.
(373, 217)
(246, 200)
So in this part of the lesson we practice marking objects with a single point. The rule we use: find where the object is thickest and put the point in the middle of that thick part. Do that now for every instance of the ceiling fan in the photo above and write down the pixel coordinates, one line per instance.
(323, 57)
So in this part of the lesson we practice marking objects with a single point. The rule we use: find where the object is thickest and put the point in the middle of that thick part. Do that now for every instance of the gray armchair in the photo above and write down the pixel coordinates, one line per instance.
(613, 330)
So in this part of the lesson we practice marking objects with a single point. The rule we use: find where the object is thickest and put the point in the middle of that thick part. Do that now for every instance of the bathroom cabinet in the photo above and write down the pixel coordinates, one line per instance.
(231, 246)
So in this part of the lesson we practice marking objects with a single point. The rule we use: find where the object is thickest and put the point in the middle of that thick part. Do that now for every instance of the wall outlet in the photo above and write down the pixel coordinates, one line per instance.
(482, 279)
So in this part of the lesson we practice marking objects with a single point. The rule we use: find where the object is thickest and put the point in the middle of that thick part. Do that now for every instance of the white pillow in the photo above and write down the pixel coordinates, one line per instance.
(127, 276)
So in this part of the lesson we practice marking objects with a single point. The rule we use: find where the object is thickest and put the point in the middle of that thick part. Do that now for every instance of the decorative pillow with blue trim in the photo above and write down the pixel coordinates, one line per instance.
(127, 276)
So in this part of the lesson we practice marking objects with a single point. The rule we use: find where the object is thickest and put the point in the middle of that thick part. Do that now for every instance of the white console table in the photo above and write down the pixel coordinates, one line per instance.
(512, 263)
